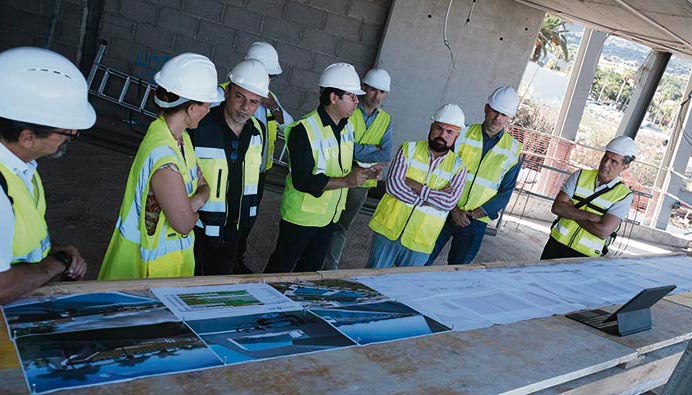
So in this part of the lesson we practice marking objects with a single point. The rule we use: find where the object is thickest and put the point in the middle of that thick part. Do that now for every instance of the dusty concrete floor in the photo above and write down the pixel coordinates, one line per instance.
(84, 191)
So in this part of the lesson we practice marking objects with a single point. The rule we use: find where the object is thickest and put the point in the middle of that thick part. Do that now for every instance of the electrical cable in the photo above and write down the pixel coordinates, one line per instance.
(444, 32)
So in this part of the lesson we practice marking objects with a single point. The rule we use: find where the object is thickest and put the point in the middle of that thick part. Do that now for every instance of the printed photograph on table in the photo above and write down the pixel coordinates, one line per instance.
(260, 336)
(205, 302)
(329, 293)
(83, 312)
(84, 358)
(380, 322)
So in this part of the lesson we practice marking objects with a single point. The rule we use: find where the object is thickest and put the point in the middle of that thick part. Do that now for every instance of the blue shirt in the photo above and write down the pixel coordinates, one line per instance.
(493, 206)
(370, 153)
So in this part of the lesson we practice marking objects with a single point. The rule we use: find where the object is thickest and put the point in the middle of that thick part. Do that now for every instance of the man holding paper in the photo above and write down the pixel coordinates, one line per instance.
(372, 128)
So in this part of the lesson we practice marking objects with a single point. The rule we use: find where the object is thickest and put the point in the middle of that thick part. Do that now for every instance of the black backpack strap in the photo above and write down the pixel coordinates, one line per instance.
(588, 200)
(3, 185)
(595, 195)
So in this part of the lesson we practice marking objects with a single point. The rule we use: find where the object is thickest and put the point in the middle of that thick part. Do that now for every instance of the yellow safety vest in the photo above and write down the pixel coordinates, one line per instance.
(214, 164)
(418, 226)
(484, 173)
(569, 233)
(132, 252)
(302, 208)
(31, 242)
(270, 139)
(369, 135)
(272, 131)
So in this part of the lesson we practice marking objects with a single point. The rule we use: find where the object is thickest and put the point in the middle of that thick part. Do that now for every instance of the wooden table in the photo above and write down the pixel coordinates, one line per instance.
(551, 355)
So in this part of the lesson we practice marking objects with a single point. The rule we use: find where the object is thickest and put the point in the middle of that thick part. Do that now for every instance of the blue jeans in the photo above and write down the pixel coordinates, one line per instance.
(386, 253)
(465, 242)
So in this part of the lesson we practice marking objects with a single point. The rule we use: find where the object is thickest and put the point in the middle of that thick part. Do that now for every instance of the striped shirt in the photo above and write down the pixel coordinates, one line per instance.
(444, 199)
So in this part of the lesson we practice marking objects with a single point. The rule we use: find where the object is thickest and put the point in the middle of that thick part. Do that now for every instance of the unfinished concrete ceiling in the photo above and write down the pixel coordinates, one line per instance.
(664, 25)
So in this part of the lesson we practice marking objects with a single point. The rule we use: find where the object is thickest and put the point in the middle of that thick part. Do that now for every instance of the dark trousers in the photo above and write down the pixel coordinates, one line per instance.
(466, 242)
(299, 248)
(554, 250)
(214, 255)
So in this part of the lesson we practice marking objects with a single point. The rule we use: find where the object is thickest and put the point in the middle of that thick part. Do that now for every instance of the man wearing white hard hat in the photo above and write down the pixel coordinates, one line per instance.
(229, 145)
(321, 171)
(165, 188)
(423, 185)
(42, 107)
(270, 112)
(373, 144)
(491, 156)
(591, 205)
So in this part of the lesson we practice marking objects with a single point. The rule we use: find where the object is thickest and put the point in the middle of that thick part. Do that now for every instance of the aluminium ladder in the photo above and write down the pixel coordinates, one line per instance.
(141, 90)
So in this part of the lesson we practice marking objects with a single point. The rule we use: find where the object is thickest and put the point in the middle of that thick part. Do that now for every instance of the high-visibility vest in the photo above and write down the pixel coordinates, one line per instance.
(132, 252)
(272, 130)
(369, 135)
(417, 225)
(332, 158)
(211, 154)
(484, 173)
(31, 242)
(569, 233)
(270, 140)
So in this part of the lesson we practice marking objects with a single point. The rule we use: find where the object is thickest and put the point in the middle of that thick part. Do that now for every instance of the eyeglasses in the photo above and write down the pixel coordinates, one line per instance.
(352, 96)
(72, 135)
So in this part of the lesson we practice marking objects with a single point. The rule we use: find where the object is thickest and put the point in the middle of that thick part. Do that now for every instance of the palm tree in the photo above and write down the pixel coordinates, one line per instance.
(550, 37)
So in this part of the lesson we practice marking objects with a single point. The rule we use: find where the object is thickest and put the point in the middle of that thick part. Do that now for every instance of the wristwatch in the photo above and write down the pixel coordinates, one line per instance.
(63, 258)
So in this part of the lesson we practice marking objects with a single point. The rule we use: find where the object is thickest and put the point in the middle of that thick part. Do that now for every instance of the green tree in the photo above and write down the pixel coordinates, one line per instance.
(550, 38)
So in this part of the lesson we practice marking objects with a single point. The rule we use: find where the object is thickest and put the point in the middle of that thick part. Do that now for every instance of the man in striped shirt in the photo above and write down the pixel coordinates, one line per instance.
(424, 183)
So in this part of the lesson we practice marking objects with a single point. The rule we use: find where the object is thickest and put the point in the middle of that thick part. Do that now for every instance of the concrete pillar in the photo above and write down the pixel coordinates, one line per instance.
(572, 109)
(652, 72)
(580, 82)
(676, 157)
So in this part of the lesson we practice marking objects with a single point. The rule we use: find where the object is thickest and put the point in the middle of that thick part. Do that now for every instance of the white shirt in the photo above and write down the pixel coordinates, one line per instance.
(25, 171)
(618, 209)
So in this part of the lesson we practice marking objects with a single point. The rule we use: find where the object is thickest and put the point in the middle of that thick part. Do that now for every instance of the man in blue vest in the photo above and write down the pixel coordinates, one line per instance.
(42, 107)
(373, 144)
(591, 205)
(491, 156)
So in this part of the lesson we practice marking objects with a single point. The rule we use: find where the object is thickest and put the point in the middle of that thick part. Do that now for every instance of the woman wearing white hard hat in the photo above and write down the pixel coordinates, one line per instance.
(165, 187)
(43, 106)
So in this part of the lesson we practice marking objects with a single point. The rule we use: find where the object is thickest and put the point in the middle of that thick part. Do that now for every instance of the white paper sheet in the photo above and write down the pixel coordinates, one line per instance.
(198, 303)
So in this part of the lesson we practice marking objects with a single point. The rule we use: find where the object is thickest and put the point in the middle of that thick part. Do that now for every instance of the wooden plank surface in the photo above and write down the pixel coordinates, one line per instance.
(515, 358)
(653, 371)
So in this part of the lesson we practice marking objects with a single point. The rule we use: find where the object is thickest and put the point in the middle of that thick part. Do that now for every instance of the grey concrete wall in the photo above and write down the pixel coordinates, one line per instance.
(308, 34)
(27, 23)
(490, 51)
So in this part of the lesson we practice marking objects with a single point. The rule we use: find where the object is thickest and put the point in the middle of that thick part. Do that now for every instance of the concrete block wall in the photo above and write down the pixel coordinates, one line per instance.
(27, 23)
(308, 34)
(490, 50)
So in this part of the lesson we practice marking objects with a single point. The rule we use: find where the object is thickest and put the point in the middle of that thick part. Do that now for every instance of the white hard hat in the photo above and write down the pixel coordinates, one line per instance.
(378, 79)
(44, 88)
(190, 76)
(265, 53)
(622, 145)
(251, 75)
(504, 100)
(450, 114)
(341, 76)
